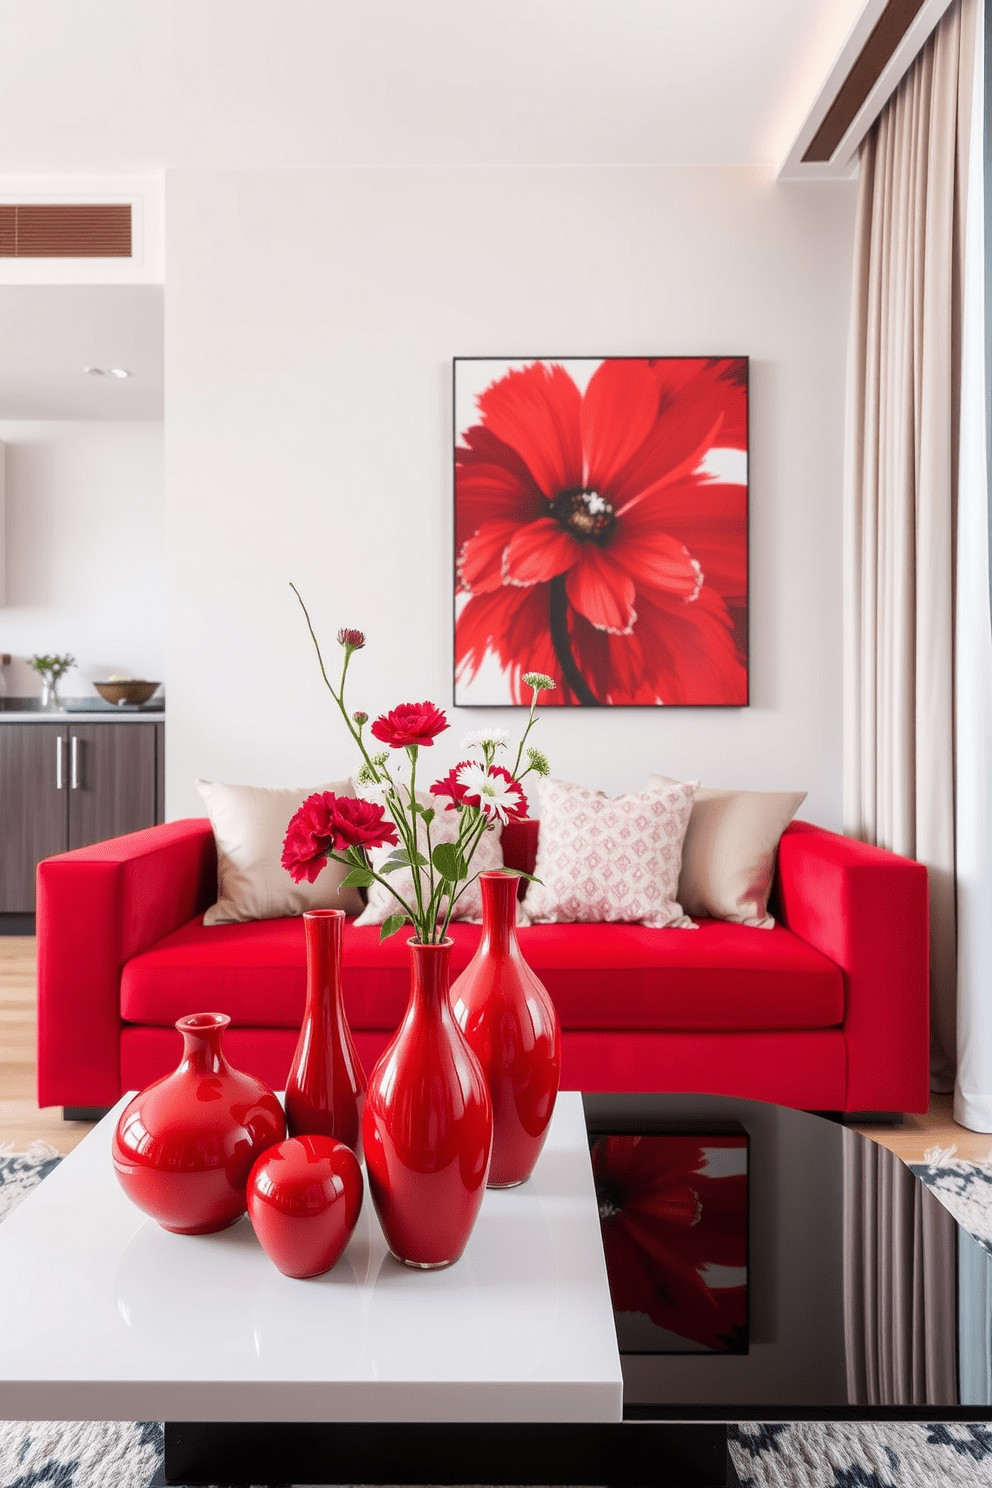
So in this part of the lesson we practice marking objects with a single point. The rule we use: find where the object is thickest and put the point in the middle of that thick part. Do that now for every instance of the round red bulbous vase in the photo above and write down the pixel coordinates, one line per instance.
(183, 1148)
(304, 1199)
(428, 1124)
(325, 1088)
(511, 1026)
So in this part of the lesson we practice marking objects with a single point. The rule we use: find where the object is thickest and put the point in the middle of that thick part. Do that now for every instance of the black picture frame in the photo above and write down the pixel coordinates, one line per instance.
(499, 633)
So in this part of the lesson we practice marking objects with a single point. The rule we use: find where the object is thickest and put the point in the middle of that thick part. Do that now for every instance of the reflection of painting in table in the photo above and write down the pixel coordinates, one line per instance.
(674, 1215)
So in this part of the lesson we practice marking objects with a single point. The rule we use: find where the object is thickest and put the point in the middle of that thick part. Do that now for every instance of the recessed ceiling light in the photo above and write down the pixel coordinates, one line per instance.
(107, 371)
(118, 372)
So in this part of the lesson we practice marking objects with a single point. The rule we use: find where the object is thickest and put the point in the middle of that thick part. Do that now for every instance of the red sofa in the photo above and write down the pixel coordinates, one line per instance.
(828, 1011)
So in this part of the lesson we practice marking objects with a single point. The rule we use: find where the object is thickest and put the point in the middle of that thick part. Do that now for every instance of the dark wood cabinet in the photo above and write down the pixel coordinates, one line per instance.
(112, 780)
(68, 785)
(33, 807)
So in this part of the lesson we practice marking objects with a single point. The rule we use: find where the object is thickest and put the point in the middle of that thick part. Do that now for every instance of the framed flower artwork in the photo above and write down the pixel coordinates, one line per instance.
(601, 530)
(674, 1214)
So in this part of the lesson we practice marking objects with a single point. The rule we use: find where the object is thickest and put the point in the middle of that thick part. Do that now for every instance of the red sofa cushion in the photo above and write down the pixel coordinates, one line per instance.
(617, 977)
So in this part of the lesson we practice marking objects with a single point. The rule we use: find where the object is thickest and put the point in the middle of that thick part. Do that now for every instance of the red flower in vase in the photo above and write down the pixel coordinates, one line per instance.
(327, 821)
(591, 541)
(494, 791)
(664, 1220)
(410, 723)
(451, 787)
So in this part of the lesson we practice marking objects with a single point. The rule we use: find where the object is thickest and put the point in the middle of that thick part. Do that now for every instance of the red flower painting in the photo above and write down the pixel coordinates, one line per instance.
(601, 530)
(667, 1219)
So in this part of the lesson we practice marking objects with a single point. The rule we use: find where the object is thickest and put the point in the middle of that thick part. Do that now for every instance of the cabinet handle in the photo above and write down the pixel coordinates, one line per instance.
(58, 762)
(74, 764)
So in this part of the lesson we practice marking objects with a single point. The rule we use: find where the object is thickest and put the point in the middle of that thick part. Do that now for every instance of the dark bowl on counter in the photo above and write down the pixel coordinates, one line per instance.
(131, 692)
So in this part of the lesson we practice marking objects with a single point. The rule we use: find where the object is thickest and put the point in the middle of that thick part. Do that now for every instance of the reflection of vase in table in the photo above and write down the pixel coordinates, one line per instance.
(512, 1027)
(325, 1088)
(427, 1128)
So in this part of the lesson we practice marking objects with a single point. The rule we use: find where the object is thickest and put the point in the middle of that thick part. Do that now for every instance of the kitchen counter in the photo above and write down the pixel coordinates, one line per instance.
(20, 710)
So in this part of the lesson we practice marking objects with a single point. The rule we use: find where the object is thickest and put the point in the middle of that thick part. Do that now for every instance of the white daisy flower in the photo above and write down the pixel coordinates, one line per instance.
(496, 737)
(496, 795)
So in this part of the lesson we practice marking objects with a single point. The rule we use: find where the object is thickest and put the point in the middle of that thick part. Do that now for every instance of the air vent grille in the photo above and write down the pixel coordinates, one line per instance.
(65, 231)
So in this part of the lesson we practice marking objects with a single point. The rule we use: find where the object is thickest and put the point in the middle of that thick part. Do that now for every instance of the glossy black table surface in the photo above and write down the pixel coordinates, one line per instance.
(865, 1299)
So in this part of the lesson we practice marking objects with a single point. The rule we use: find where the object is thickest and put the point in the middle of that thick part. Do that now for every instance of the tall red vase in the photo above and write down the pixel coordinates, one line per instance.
(183, 1148)
(428, 1124)
(325, 1088)
(511, 1026)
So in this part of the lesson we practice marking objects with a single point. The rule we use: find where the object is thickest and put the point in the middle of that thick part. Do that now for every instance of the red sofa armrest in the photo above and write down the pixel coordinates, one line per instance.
(96, 908)
(867, 909)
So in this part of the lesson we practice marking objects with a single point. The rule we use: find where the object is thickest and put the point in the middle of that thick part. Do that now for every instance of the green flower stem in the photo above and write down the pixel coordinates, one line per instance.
(437, 886)
(468, 850)
(338, 858)
(523, 740)
(412, 752)
(339, 696)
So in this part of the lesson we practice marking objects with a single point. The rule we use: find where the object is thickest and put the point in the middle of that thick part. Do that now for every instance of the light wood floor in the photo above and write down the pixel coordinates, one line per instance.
(21, 1122)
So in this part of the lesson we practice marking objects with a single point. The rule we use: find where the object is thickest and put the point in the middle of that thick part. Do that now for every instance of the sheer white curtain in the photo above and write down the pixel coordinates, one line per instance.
(973, 664)
(902, 620)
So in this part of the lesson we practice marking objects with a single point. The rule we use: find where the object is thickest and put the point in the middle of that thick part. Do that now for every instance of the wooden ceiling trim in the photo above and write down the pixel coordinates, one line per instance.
(877, 52)
(65, 230)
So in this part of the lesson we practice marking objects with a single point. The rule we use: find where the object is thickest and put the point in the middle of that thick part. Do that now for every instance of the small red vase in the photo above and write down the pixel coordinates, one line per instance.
(512, 1028)
(428, 1125)
(183, 1148)
(325, 1088)
(304, 1199)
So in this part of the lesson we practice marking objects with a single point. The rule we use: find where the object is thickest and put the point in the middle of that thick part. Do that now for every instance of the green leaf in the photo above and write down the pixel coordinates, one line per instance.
(358, 878)
(449, 862)
(356, 855)
(390, 868)
(428, 813)
(390, 926)
(400, 858)
(519, 873)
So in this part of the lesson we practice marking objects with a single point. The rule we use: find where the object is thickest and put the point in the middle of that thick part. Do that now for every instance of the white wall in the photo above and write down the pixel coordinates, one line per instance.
(84, 559)
(311, 318)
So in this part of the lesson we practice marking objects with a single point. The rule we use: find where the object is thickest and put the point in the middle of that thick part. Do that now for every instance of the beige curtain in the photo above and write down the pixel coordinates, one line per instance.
(900, 1283)
(901, 487)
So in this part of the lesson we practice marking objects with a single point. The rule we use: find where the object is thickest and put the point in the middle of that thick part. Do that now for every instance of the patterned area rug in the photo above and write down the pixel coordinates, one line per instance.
(127, 1454)
(965, 1188)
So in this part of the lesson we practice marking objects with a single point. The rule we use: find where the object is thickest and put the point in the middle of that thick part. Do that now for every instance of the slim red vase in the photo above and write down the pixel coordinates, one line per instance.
(512, 1028)
(183, 1148)
(428, 1125)
(325, 1088)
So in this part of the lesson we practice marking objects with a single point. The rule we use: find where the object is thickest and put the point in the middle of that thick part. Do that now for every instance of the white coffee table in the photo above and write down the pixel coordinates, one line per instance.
(108, 1317)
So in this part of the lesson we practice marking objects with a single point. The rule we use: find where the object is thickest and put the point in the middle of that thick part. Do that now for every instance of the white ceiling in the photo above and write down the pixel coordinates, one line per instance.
(123, 86)
(131, 87)
(50, 333)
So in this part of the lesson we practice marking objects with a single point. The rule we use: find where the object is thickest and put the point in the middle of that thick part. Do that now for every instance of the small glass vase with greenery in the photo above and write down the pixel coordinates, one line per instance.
(51, 670)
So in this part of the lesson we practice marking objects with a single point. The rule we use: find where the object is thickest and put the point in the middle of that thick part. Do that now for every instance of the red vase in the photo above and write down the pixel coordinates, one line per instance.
(512, 1028)
(325, 1088)
(304, 1199)
(184, 1147)
(428, 1125)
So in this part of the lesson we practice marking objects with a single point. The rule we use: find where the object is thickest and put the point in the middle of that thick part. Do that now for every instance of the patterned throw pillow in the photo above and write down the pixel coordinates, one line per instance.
(444, 828)
(603, 858)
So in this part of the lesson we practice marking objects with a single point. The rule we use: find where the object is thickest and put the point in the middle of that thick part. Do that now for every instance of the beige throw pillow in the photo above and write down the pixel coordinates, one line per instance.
(444, 828)
(609, 858)
(728, 858)
(249, 823)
